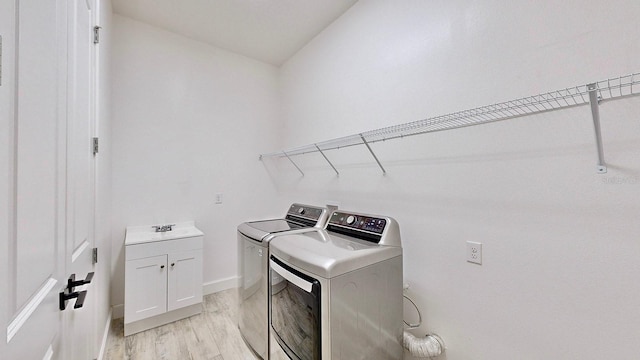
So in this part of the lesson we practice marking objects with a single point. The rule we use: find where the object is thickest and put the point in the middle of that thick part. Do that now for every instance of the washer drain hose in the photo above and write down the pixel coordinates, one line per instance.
(426, 347)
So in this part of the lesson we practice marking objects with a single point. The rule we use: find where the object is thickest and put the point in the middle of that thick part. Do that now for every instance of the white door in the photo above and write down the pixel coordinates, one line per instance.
(7, 20)
(79, 323)
(48, 186)
(32, 116)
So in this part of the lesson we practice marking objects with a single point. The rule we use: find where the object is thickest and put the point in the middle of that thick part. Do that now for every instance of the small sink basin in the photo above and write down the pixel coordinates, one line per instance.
(143, 234)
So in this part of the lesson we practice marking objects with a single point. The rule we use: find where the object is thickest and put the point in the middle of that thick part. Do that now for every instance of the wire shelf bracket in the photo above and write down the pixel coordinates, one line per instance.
(326, 158)
(294, 164)
(364, 141)
(592, 94)
(595, 112)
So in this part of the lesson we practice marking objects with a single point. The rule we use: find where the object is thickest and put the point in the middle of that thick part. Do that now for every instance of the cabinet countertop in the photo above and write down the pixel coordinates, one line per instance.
(146, 234)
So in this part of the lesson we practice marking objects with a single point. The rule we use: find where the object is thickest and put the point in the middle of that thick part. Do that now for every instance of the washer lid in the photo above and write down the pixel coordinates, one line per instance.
(274, 226)
(259, 230)
(298, 217)
(329, 255)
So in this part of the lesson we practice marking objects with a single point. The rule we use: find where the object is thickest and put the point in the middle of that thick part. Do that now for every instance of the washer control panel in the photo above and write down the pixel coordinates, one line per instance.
(358, 222)
(305, 211)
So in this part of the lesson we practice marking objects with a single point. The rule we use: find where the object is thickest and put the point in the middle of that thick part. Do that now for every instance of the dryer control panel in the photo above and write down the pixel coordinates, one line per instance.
(364, 227)
(358, 222)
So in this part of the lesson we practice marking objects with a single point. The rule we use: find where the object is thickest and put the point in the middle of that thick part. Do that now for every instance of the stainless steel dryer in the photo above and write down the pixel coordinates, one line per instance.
(342, 292)
(253, 253)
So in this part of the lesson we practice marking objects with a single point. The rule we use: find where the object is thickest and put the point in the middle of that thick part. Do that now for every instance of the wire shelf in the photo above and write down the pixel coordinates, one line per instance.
(613, 88)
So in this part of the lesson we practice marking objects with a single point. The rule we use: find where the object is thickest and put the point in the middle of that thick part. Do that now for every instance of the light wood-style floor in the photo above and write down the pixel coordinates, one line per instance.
(212, 335)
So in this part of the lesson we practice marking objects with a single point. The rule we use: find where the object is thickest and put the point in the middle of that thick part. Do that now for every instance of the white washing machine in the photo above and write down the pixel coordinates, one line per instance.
(342, 292)
(253, 253)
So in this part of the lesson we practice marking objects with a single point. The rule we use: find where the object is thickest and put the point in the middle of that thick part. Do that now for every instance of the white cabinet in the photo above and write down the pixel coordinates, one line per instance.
(184, 289)
(163, 277)
(145, 287)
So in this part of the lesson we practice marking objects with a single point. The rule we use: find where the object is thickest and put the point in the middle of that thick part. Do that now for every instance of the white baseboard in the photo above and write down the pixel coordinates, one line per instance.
(220, 285)
(105, 336)
(211, 287)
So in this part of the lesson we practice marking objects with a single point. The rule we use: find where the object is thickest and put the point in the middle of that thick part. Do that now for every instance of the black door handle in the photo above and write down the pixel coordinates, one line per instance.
(79, 296)
(68, 293)
(72, 282)
(80, 300)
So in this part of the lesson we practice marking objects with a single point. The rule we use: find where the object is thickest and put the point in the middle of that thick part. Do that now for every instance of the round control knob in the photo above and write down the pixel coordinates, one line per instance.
(301, 211)
(351, 219)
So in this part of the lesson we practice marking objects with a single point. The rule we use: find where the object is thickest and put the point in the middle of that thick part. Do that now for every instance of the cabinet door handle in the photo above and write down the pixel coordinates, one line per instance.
(161, 266)
(173, 264)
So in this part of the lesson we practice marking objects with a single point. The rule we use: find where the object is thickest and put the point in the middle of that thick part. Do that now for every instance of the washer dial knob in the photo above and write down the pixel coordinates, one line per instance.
(351, 219)
(301, 211)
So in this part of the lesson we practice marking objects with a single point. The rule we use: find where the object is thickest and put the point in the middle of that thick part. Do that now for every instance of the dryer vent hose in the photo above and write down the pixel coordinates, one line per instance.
(426, 347)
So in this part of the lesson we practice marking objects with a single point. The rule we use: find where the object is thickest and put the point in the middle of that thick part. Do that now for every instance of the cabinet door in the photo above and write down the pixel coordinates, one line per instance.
(185, 279)
(145, 288)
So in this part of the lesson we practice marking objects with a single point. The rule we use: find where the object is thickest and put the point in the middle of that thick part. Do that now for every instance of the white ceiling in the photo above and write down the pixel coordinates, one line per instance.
(267, 30)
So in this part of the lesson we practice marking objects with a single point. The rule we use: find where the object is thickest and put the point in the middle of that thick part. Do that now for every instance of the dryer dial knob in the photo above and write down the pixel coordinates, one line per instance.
(351, 219)
(301, 211)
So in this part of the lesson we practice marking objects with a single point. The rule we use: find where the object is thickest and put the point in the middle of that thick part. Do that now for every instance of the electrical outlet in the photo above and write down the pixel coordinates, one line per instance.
(474, 252)
(218, 198)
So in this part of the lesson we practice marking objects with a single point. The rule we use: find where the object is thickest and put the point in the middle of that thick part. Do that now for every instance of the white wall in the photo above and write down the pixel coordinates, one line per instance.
(188, 122)
(560, 242)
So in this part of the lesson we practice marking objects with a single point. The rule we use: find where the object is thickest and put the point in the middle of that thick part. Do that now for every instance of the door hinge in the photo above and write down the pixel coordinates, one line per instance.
(96, 34)
(96, 146)
(95, 256)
